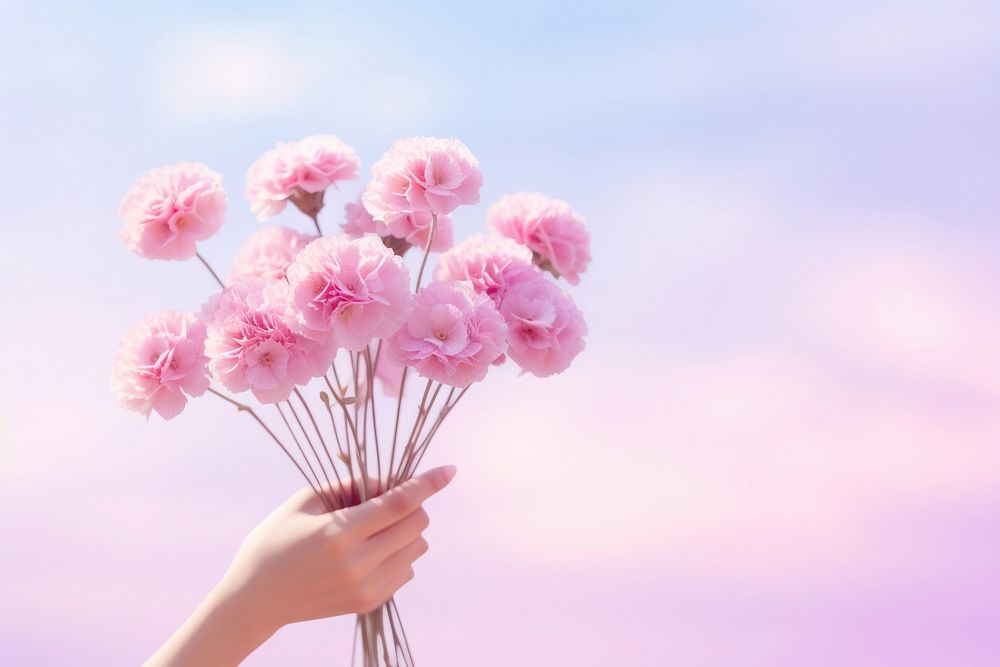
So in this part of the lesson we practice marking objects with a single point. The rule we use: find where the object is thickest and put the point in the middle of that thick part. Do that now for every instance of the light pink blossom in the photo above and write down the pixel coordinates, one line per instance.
(493, 264)
(251, 345)
(414, 228)
(351, 289)
(389, 373)
(422, 175)
(546, 329)
(452, 335)
(300, 172)
(357, 221)
(402, 232)
(169, 209)
(551, 228)
(268, 253)
(161, 359)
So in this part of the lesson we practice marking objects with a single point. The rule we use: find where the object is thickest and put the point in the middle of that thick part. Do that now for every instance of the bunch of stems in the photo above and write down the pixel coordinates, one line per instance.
(338, 453)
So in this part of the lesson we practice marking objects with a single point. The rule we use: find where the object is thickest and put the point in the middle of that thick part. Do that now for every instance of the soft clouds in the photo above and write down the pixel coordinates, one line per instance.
(252, 70)
(221, 73)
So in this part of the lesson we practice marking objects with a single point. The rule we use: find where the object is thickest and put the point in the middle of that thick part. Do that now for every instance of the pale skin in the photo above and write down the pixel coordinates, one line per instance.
(302, 563)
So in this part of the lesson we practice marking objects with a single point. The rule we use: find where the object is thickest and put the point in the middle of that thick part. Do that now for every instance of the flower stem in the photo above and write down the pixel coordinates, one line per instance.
(422, 448)
(210, 270)
(322, 441)
(242, 407)
(406, 642)
(395, 428)
(309, 442)
(315, 219)
(362, 466)
(371, 398)
(421, 414)
(427, 251)
(298, 444)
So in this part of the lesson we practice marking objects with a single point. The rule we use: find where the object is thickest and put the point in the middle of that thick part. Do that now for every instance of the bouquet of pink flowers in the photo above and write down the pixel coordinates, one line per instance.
(311, 323)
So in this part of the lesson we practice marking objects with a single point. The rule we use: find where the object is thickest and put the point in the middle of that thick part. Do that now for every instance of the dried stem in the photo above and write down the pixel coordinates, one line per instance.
(361, 444)
(338, 394)
(395, 428)
(325, 400)
(210, 270)
(380, 627)
(322, 441)
(362, 486)
(395, 635)
(406, 449)
(418, 426)
(427, 250)
(371, 399)
(422, 449)
(243, 407)
(298, 444)
(315, 218)
(402, 631)
(309, 442)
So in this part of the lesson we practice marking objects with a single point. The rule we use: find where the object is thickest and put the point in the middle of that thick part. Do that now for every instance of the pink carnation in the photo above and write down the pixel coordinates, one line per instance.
(161, 359)
(422, 174)
(493, 264)
(268, 253)
(389, 373)
(415, 227)
(452, 335)
(170, 208)
(546, 327)
(252, 346)
(357, 221)
(551, 228)
(299, 171)
(403, 232)
(351, 289)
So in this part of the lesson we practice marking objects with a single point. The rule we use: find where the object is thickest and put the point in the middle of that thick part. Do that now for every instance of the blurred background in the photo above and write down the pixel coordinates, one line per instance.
(782, 445)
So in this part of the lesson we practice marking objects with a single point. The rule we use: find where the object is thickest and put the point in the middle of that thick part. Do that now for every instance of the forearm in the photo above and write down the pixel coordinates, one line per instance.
(222, 631)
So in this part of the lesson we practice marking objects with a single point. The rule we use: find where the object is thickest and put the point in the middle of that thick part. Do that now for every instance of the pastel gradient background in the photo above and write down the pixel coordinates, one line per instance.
(782, 445)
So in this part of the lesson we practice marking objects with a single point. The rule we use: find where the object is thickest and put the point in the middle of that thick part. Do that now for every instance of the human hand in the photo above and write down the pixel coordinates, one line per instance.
(303, 563)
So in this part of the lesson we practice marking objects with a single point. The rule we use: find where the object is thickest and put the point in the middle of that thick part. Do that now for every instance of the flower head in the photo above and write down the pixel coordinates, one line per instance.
(402, 232)
(268, 253)
(299, 171)
(161, 359)
(551, 228)
(170, 208)
(546, 329)
(351, 289)
(452, 335)
(422, 174)
(493, 264)
(389, 373)
(357, 221)
(250, 344)
(414, 228)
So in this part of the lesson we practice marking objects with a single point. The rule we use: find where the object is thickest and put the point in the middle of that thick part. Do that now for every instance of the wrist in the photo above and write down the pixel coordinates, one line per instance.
(225, 628)
(237, 610)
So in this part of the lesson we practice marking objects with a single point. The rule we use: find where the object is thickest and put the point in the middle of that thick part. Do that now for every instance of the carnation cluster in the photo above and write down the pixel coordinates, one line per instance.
(307, 323)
